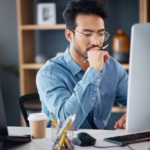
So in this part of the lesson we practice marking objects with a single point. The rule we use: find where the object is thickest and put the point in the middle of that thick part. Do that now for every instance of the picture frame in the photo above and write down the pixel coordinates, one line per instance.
(46, 14)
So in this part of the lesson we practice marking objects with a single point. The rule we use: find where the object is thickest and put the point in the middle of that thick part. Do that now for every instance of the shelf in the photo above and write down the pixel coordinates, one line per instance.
(117, 109)
(38, 66)
(33, 66)
(41, 27)
(32, 105)
(125, 66)
(37, 105)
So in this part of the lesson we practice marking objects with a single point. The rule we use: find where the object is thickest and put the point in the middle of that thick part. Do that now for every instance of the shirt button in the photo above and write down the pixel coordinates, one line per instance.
(93, 97)
(98, 79)
(94, 118)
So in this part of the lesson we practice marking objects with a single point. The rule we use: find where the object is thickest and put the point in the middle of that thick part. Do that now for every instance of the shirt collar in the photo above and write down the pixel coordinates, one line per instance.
(72, 65)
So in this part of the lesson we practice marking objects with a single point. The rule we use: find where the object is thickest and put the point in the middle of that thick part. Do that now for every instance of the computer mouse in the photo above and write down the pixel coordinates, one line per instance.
(84, 139)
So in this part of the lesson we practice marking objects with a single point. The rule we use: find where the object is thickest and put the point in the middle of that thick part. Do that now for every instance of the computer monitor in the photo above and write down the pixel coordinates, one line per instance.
(138, 101)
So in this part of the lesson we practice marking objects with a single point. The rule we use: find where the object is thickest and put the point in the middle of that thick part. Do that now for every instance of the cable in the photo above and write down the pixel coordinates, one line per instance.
(113, 146)
(105, 146)
(130, 147)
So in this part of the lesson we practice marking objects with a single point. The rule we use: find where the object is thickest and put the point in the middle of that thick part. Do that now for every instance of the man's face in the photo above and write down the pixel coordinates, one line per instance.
(87, 24)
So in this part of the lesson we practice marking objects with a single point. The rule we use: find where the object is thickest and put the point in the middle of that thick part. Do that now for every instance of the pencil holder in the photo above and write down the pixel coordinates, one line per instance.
(68, 143)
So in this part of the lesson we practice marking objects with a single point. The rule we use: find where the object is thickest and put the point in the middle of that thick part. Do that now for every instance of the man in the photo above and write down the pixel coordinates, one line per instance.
(68, 86)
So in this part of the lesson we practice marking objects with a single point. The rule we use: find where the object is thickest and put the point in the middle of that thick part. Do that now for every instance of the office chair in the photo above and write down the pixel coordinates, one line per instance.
(27, 99)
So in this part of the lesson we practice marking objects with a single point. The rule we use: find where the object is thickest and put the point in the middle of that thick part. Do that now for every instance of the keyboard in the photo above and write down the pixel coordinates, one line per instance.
(128, 139)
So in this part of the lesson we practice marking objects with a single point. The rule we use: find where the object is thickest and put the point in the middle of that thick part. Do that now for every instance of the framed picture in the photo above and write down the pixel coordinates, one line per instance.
(46, 14)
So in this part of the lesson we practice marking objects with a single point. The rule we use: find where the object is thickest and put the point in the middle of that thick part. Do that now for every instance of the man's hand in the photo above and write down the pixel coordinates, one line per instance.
(97, 57)
(121, 123)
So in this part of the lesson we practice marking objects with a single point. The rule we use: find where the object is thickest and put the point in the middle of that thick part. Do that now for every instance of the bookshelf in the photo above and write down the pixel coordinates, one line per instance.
(26, 45)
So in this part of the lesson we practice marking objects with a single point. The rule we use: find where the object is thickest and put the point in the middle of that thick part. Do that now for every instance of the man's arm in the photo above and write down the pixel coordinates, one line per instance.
(121, 96)
(61, 102)
(81, 101)
(121, 123)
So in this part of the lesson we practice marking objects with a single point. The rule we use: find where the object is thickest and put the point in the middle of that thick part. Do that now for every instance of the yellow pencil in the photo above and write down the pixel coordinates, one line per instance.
(55, 125)
(63, 136)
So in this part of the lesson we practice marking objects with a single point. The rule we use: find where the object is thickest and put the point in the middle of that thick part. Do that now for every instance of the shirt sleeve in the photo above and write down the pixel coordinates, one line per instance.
(121, 95)
(62, 102)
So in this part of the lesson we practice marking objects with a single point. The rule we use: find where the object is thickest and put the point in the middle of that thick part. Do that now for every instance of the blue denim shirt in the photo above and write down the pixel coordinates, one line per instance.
(66, 89)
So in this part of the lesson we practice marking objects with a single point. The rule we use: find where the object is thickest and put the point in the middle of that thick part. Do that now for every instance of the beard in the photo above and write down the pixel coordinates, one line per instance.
(83, 54)
(78, 50)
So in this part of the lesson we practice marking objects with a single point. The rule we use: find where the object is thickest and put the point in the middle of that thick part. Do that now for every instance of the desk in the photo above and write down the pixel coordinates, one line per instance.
(98, 134)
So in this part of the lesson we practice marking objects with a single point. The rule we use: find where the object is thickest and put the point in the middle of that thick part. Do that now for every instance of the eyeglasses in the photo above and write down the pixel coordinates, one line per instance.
(102, 36)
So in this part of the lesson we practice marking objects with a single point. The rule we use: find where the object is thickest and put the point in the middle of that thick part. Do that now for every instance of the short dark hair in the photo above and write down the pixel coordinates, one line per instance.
(89, 7)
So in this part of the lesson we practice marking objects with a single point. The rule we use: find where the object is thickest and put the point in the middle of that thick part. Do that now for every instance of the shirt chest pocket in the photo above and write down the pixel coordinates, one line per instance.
(107, 104)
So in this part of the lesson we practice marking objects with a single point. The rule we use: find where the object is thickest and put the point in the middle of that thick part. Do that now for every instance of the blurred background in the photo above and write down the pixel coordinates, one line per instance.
(122, 15)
